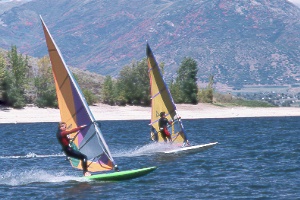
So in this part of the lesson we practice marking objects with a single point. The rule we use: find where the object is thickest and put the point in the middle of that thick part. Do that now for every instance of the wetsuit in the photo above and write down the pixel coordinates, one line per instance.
(163, 124)
(69, 151)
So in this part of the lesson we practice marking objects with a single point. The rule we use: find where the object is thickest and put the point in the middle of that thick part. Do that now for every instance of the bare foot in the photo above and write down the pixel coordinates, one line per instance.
(87, 174)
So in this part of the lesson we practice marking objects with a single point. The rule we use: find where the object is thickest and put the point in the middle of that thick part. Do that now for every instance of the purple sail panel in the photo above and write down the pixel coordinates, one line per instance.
(82, 116)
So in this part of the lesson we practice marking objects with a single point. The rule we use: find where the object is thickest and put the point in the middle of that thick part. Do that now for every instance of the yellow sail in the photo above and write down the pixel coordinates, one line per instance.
(162, 101)
(75, 112)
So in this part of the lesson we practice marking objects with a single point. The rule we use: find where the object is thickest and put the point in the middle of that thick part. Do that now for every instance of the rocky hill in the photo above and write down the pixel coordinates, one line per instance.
(240, 42)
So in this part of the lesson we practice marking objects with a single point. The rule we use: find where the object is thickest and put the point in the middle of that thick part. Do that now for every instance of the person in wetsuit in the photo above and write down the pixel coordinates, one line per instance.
(62, 136)
(163, 127)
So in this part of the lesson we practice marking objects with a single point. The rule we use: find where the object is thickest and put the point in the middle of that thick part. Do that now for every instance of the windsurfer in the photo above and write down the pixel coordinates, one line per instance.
(62, 136)
(163, 127)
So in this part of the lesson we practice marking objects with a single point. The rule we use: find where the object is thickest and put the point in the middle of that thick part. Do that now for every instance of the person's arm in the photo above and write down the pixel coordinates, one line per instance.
(64, 133)
(172, 121)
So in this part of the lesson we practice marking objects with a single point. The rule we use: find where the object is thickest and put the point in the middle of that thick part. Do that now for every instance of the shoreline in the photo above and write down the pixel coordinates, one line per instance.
(103, 112)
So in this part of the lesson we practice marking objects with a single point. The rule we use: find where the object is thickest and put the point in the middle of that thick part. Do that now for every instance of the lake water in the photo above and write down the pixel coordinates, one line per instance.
(256, 158)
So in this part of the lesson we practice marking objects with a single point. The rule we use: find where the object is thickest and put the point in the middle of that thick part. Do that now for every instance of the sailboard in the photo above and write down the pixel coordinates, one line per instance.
(162, 101)
(75, 112)
(191, 149)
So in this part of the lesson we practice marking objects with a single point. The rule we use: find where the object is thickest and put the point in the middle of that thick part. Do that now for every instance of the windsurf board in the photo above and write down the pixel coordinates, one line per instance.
(121, 175)
(192, 149)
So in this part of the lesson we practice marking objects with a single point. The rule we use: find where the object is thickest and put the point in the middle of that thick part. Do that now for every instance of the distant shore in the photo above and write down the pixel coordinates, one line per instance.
(106, 112)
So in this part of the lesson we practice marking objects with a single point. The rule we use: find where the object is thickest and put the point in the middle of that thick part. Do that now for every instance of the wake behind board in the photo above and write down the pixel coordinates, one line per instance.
(122, 175)
(192, 149)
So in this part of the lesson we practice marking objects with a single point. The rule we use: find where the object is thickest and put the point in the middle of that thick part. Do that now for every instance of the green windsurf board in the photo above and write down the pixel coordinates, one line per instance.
(121, 175)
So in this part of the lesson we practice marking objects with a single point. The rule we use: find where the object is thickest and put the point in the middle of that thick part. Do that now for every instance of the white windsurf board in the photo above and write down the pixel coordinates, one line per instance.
(192, 149)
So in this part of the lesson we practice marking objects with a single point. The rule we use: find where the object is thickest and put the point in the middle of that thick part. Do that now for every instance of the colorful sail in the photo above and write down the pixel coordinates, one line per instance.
(162, 101)
(75, 112)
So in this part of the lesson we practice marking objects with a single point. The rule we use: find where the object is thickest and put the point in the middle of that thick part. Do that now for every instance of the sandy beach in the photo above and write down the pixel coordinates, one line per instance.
(106, 112)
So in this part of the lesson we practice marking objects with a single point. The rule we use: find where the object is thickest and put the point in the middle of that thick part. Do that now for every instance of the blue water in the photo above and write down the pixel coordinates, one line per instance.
(256, 158)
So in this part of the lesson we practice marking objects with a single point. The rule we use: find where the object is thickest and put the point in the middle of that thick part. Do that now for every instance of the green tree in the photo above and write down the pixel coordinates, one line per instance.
(143, 83)
(107, 91)
(206, 95)
(44, 85)
(89, 96)
(2, 74)
(133, 84)
(176, 92)
(185, 88)
(87, 93)
(16, 79)
(119, 94)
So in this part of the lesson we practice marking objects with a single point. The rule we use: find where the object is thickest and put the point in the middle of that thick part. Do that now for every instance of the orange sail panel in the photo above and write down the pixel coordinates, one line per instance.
(75, 112)
(162, 101)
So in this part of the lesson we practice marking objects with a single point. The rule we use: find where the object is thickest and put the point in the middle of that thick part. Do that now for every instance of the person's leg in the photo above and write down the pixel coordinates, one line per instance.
(163, 135)
(76, 154)
(170, 139)
(168, 135)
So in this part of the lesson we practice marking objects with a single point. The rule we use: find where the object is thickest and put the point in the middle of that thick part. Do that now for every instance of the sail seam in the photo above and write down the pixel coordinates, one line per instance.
(62, 84)
(160, 91)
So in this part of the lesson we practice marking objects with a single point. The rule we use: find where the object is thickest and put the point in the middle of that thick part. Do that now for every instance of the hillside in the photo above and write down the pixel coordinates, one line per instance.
(87, 80)
(9, 4)
(240, 42)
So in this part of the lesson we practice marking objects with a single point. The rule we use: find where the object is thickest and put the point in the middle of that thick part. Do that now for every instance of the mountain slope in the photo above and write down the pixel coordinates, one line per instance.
(240, 42)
